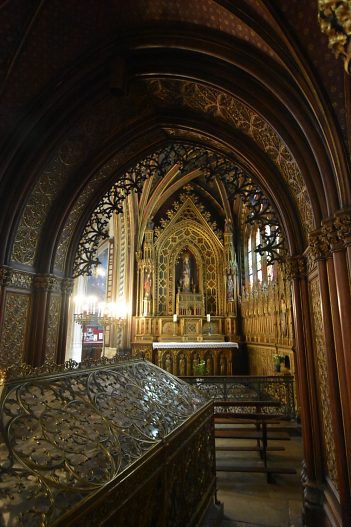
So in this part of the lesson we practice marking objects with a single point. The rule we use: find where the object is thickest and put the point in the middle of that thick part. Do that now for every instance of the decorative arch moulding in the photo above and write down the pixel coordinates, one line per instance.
(208, 101)
(186, 157)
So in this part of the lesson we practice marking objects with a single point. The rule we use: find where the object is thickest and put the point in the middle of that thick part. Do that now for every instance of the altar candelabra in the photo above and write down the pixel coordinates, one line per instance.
(105, 314)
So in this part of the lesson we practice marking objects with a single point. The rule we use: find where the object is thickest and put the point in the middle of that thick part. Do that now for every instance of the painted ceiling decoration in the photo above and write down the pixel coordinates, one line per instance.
(186, 157)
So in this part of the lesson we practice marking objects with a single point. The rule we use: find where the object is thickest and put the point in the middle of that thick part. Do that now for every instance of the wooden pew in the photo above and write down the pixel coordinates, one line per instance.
(257, 431)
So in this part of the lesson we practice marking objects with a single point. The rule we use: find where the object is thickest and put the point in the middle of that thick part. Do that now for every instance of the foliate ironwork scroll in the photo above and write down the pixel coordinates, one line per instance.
(186, 157)
(66, 436)
(268, 389)
(335, 22)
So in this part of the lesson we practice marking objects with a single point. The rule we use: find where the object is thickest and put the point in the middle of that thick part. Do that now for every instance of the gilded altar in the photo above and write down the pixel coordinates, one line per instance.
(186, 282)
(182, 358)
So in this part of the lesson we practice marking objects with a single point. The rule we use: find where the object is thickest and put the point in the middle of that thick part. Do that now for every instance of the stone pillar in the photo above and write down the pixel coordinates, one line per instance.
(66, 288)
(312, 469)
(5, 280)
(321, 250)
(42, 284)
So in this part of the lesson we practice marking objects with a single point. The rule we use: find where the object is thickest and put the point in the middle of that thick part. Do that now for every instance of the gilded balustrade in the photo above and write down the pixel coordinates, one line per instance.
(79, 447)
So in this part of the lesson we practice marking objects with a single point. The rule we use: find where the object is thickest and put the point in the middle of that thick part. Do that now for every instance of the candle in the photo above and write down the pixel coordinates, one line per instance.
(175, 317)
(208, 318)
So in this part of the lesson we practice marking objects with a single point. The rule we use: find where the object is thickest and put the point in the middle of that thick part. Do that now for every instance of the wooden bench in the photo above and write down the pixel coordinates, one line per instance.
(258, 431)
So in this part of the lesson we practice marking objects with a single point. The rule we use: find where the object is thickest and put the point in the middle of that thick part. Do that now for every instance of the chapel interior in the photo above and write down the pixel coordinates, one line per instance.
(175, 220)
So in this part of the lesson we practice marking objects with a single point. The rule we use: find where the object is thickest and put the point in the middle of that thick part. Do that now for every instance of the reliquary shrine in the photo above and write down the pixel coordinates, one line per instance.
(187, 289)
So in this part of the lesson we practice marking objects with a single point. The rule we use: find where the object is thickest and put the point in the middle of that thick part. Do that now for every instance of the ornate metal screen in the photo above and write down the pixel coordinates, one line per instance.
(250, 389)
(72, 445)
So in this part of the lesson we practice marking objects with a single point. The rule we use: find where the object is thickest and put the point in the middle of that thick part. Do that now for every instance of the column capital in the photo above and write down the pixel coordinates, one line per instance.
(342, 224)
(295, 267)
(67, 285)
(44, 282)
(5, 275)
(319, 244)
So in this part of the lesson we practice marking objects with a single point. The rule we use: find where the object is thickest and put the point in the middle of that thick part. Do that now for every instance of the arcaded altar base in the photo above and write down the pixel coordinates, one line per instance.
(181, 358)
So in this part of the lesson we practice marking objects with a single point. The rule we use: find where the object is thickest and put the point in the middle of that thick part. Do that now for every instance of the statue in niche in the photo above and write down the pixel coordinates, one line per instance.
(283, 317)
(168, 363)
(182, 365)
(230, 288)
(147, 285)
(186, 275)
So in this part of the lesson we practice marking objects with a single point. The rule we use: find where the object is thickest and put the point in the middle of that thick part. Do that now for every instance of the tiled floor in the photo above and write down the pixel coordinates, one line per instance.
(249, 501)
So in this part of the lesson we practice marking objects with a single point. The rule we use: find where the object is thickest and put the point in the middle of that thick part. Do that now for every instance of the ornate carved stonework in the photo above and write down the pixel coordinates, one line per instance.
(53, 327)
(236, 180)
(44, 281)
(330, 235)
(219, 105)
(261, 358)
(89, 191)
(82, 140)
(21, 279)
(189, 213)
(319, 245)
(322, 372)
(342, 225)
(87, 136)
(5, 275)
(266, 312)
(334, 19)
(16, 316)
(295, 267)
(67, 286)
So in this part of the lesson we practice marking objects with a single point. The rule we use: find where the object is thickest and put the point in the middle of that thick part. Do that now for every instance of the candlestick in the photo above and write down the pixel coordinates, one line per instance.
(208, 318)
(175, 317)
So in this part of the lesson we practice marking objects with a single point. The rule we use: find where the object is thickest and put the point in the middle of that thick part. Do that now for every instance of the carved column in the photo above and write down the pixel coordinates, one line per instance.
(342, 225)
(312, 466)
(66, 288)
(42, 284)
(320, 249)
(5, 280)
(336, 237)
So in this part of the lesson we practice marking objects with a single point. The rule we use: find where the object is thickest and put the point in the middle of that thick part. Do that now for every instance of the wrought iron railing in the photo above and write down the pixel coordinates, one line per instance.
(255, 389)
(80, 447)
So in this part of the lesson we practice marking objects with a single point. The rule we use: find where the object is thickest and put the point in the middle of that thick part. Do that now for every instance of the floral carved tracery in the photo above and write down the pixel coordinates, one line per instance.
(186, 157)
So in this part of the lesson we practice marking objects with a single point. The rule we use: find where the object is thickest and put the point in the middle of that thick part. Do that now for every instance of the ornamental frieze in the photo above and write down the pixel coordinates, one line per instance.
(86, 137)
(45, 282)
(15, 278)
(219, 105)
